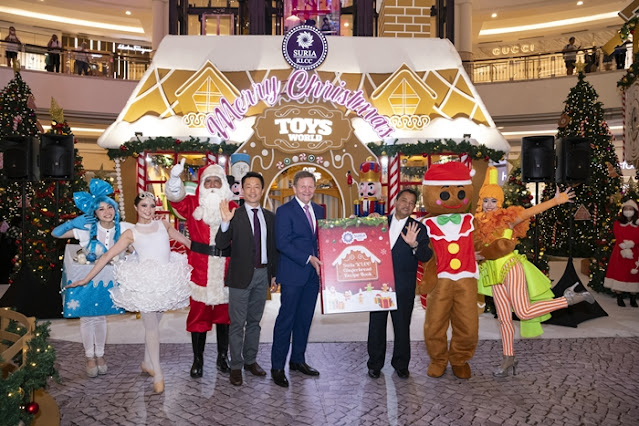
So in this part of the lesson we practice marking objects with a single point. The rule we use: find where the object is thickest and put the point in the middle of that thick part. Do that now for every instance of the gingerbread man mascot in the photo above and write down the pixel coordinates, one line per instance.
(450, 276)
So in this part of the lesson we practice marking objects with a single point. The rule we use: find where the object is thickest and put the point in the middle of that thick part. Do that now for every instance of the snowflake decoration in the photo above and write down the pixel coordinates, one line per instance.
(304, 40)
(383, 252)
(73, 304)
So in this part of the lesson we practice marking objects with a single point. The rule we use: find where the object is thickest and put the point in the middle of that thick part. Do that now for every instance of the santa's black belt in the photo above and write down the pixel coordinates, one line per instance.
(209, 250)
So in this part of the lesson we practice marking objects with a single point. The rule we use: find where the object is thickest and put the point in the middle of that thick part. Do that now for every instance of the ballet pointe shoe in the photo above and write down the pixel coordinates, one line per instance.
(158, 387)
(146, 369)
(573, 297)
(508, 363)
(92, 368)
(102, 366)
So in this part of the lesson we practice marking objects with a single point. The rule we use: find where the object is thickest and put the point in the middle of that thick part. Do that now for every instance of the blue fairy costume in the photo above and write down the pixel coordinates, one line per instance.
(94, 240)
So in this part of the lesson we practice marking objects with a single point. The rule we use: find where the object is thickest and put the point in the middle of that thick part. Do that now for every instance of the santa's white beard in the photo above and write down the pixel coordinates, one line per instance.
(209, 208)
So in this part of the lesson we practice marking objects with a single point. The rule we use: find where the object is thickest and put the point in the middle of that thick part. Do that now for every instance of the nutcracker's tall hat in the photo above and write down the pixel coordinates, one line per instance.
(370, 171)
(490, 189)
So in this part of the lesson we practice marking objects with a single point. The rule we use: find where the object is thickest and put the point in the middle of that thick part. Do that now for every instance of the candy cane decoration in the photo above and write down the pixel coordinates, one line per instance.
(393, 182)
(118, 177)
(623, 123)
(211, 158)
(141, 172)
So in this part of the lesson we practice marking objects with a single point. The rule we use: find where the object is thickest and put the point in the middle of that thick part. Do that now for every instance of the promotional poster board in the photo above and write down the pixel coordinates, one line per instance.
(357, 265)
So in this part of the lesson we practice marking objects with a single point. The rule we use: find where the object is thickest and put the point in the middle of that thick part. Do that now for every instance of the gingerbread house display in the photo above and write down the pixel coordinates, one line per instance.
(240, 92)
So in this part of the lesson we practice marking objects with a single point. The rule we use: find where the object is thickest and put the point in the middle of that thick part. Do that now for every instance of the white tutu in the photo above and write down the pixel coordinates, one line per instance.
(149, 286)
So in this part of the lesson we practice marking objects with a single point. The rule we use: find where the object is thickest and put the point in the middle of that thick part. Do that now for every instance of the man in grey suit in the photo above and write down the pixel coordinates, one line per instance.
(250, 230)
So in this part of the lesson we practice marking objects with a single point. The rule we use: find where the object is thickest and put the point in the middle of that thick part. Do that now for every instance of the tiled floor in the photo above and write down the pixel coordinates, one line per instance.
(590, 381)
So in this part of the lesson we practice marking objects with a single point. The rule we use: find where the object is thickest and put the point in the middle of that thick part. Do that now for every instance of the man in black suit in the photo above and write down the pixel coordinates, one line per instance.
(250, 230)
(409, 243)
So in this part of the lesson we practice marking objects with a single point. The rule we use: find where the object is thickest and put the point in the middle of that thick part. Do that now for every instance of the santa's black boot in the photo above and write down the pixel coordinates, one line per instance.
(198, 340)
(222, 331)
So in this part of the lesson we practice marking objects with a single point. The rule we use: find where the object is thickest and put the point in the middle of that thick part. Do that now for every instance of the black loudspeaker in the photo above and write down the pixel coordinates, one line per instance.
(56, 156)
(573, 160)
(537, 158)
(20, 158)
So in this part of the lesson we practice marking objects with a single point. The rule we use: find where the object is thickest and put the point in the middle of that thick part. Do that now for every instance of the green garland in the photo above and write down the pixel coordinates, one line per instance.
(134, 147)
(627, 28)
(352, 221)
(438, 146)
(632, 73)
(630, 77)
(17, 388)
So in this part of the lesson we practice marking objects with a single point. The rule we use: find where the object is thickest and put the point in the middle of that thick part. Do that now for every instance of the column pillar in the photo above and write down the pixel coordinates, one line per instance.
(464, 28)
(160, 26)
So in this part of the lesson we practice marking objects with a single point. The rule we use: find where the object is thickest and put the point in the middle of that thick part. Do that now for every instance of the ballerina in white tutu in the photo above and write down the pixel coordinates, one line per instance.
(153, 281)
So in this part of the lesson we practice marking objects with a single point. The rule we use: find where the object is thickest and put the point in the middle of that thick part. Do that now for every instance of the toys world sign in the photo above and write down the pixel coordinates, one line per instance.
(299, 86)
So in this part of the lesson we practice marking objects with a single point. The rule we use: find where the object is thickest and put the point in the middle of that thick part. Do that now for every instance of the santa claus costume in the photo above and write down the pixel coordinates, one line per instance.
(209, 296)
(622, 275)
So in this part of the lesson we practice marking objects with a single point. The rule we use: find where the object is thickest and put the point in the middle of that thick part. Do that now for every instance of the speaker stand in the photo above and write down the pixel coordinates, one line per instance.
(536, 249)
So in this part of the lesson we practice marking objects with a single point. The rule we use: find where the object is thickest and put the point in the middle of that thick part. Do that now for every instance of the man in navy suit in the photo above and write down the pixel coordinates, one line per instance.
(409, 243)
(298, 273)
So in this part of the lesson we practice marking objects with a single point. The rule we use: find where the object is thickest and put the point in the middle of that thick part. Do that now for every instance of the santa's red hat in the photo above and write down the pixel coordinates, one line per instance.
(451, 173)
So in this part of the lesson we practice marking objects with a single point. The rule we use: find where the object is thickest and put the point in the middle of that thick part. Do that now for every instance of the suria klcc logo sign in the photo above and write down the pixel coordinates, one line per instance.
(304, 47)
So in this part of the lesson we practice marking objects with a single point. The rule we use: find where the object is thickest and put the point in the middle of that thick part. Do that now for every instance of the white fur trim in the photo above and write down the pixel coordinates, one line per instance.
(215, 293)
(446, 182)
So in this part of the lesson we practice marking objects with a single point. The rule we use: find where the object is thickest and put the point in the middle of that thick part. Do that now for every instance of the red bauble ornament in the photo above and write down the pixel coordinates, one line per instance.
(122, 148)
(177, 141)
(32, 407)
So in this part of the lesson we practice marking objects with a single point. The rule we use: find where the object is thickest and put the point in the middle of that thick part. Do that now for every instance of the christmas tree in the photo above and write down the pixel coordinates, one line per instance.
(516, 194)
(594, 210)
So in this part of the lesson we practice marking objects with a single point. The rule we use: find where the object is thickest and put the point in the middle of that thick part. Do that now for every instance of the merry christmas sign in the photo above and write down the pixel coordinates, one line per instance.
(357, 266)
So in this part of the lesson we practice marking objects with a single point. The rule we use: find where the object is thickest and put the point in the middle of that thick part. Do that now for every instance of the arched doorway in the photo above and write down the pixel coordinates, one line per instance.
(328, 192)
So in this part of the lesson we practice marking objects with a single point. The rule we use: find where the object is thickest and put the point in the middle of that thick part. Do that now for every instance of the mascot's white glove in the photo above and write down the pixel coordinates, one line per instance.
(174, 188)
(626, 253)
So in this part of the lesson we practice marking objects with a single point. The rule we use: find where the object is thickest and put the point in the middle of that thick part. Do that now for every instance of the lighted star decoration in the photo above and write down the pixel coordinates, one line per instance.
(580, 66)
(57, 113)
(516, 163)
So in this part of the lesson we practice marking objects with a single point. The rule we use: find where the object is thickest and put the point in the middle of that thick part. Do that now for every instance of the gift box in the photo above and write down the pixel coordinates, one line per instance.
(92, 299)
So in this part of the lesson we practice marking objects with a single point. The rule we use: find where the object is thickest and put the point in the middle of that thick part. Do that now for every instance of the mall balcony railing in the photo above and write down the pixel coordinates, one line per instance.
(131, 66)
(539, 66)
(126, 66)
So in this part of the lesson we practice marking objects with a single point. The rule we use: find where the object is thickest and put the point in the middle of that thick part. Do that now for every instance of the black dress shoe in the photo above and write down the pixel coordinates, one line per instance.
(303, 368)
(403, 373)
(222, 364)
(236, 377)
(374, 374)
(255, 369)
(279, 378)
